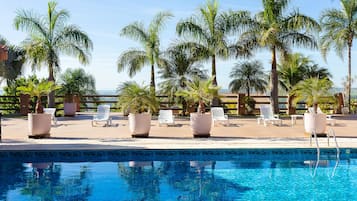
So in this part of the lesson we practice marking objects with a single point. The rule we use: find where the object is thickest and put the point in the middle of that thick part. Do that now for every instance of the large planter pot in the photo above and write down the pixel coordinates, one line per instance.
(201, 124)
(315, 122)
(139, 124)
(77, 100)
(39, 125)
(69, 109)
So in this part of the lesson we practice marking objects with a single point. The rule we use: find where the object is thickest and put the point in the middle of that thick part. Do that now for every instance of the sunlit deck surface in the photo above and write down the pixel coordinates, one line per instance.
(77, 133)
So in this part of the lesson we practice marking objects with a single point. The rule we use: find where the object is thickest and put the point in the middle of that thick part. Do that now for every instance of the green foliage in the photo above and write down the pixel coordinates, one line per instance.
(313, 91)
(339, 30)
(207, 32)
(296, 67)
(11, 90)
(249, 104)
(181, 66)
(277, 31)
(247, 76)
(42, 88)
(76, 82)
(49, 36)
(199, 91)
(12, 67)
(136, 99)
(135, 59)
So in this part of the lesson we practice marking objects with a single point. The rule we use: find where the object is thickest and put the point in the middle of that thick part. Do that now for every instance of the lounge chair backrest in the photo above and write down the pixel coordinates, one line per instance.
(217, 112)
(266, 111)
(165, 114)
(311, 110)
(103, 111)
(50, 111)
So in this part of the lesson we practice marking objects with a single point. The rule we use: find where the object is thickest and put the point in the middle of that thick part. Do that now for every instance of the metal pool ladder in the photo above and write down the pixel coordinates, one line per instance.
(330, 133)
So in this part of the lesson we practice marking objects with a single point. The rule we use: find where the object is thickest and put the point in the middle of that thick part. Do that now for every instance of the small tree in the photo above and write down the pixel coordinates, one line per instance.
(38, 90)
(312, 90)
(199, 91)
(136, 99)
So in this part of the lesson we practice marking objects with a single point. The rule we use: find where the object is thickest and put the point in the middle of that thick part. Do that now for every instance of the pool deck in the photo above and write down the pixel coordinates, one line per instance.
(76, 133)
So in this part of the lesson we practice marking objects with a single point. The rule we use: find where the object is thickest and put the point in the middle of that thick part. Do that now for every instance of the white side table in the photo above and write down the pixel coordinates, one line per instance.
(294, 117)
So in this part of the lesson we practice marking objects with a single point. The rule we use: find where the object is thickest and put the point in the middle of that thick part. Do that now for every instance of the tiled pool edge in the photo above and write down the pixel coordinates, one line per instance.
(173, 154)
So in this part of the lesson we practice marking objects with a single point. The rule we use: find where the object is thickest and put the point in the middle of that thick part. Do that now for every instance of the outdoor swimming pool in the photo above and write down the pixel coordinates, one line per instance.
(266, 174)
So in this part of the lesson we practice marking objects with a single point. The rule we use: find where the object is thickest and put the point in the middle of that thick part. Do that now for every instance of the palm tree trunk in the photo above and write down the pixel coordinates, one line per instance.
(349, 79)
(215, 101)
(51, 95)
(152, 82)
(214, 81)
(274, 84)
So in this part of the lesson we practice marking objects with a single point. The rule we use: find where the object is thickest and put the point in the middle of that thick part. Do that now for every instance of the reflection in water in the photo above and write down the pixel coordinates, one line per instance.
(12, 174)
(196, 181)
(46, 183)
(142, 179)
(173, 180)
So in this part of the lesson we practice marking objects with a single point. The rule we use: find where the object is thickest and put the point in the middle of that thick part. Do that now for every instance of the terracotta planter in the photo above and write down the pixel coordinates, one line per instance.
(77, 100)
(315, 122)
(39, 125)
(69, 109)
(139, 124)
(201, 124)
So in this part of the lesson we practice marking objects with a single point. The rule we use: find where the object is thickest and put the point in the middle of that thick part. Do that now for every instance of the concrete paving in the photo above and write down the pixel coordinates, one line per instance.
(77, 133)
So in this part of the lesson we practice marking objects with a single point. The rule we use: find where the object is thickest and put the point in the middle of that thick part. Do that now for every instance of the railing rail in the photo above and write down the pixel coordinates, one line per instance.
(232, 103)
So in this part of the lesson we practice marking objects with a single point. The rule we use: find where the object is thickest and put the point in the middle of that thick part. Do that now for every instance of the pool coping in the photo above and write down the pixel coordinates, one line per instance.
(167, 144)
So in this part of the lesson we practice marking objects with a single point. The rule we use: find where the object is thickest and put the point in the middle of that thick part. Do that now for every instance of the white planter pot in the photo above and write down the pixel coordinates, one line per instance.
(315, 122)
(39, 125)
(201, 124)
(139, 124)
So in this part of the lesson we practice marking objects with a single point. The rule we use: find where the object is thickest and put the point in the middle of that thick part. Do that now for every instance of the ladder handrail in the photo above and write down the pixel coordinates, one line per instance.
(331, 131)
(318, 151)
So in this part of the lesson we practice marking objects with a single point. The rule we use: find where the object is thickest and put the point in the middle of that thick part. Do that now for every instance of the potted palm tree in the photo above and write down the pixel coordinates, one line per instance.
(201, 92)
(39, 123)
(313, 91)
(74, 84)
(139, 102)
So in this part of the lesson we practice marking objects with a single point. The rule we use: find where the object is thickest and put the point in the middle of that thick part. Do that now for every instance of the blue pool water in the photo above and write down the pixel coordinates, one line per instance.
(288, 174)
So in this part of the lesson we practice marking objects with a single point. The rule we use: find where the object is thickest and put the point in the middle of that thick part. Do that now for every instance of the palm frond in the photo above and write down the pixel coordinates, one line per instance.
(133, 61)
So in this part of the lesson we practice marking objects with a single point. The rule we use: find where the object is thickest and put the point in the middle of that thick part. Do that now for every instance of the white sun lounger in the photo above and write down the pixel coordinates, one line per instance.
(267, 116)
(219, 116)
(166, 117)
(52, 112)
(103, 114)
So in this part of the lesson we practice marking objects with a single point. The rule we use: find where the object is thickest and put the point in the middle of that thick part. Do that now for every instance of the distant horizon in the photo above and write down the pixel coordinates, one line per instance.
(103, 22)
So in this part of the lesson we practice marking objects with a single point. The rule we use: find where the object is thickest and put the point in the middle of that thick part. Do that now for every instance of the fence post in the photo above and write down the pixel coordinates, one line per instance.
(340, 103)
(241, 106)
(24, 104)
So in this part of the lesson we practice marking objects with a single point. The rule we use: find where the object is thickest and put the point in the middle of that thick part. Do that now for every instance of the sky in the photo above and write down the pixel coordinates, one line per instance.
(102, 20)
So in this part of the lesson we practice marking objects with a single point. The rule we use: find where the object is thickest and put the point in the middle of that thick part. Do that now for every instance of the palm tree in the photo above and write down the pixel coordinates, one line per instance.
(208, 32)
(296, 67)
(181, 67)
(248, 75)
(312, 90)
(199, 91)
(37, 90)
(135, 59)
(136, 98)
(275, 31)
(50, 36)
(12, 67)
(77, 82)
(339, 30)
